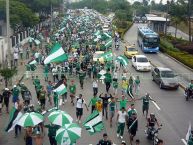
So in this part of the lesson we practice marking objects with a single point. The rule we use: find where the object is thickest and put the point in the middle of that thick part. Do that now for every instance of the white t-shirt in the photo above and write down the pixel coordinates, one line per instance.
(115, 75)
(15, 55)
(80, 102)
(122, 116)
(94, 84)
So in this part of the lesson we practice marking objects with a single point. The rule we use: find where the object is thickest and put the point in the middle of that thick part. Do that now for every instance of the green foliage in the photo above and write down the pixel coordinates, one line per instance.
(8, 73)
(20, 14)
(182, 56)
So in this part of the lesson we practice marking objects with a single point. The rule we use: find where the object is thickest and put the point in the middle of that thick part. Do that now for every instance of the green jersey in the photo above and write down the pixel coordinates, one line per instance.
(112, 106)
(36, 82)
(82, 75)
(191, 86)
(123, 103)
(137, 82)
(46, 69)
(72, 89)
(93, 101)
(131, 111)
(146, 101)
(52, 130)
(108, 78)
(15, 91)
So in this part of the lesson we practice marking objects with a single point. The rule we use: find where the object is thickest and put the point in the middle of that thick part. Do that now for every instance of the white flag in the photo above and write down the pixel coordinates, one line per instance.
(189, 132)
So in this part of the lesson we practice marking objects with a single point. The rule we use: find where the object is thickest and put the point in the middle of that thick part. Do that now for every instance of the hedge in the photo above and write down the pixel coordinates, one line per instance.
(182, 56)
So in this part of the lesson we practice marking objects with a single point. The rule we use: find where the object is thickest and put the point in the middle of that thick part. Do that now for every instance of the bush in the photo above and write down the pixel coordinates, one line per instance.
(166, 45)
(183, 57)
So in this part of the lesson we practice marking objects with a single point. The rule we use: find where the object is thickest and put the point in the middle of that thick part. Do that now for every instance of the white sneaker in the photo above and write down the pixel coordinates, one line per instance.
(121, 137)
(117, 135)
(65, 101)
(39, 102)
(76, 120)
(79, 121)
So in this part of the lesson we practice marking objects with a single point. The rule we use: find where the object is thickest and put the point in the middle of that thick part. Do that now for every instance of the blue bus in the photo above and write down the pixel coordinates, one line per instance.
(148, 40)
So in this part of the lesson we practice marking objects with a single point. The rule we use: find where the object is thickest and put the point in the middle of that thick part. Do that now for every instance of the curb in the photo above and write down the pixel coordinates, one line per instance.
(180, 85)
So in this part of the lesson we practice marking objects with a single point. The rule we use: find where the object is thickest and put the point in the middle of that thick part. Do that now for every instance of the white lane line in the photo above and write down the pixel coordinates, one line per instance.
(183, 140)
(156, 105)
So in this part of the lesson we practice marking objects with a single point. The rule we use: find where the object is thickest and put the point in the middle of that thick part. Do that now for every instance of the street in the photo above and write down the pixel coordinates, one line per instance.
(171, 108)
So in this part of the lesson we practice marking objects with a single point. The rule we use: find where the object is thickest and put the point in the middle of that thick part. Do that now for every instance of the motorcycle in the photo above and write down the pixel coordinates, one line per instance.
(152, 134)
(188, 94)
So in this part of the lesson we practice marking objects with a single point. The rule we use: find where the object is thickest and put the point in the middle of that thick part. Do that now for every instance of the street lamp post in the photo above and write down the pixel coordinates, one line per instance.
(8, 34)
(167, 17)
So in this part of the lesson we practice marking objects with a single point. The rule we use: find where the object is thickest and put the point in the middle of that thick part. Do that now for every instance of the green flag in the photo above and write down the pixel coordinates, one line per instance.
(93, 123)
(60, 88)
(57, 55)
(109, 43)
(123, 59)
(108, 56)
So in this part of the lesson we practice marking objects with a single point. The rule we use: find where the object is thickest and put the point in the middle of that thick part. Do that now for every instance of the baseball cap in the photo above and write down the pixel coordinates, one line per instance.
(6, 89)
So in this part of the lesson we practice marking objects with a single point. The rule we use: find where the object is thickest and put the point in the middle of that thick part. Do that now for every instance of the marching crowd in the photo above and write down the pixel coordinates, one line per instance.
(80, 65)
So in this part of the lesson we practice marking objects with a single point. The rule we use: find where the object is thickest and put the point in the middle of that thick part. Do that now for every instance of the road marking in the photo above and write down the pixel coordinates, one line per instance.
(156, 105)
(183, 140)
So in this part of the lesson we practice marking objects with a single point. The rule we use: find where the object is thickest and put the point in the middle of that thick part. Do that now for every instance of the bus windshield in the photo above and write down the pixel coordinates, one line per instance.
(151, 42)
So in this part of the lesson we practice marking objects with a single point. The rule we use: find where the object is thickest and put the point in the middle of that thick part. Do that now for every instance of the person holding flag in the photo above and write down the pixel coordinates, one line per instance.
(112, 108)
(132, 124)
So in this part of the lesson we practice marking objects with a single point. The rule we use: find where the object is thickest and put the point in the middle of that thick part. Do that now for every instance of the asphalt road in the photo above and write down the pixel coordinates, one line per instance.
(175, 113)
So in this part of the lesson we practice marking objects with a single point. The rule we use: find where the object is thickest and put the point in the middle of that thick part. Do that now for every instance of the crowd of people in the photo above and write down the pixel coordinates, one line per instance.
(80, 65)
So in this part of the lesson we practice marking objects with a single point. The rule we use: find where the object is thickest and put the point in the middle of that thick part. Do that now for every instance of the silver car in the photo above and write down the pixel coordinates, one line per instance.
(165, 77)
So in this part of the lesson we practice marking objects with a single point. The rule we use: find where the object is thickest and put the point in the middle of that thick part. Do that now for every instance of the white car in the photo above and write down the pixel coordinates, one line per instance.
(141, 63)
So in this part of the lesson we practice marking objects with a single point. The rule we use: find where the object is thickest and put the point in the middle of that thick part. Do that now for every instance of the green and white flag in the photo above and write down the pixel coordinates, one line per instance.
(57, 55)
(60, 88)
(108, 56)
(101, 74)
(93, 123)
(33, 65)
(123, 59)
(33, 62)
(109, 43)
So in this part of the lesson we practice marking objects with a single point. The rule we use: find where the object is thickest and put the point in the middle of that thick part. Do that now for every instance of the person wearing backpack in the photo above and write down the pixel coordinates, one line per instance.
(79, 107)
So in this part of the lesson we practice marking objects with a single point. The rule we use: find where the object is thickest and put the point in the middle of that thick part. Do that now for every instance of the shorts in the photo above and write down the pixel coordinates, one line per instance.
(112, 114)
(132, 132)
(79, 111)
(145, 108)
(43, 101)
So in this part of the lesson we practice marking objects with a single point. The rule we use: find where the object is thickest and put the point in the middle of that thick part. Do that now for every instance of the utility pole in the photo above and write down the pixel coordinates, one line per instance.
(51, 9)
(8, 35)
(167, 17)
(189, 20)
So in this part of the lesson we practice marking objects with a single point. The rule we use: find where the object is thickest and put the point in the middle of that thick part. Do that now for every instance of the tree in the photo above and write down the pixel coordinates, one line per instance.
(20, 14)
(176, 21)
(7, 74)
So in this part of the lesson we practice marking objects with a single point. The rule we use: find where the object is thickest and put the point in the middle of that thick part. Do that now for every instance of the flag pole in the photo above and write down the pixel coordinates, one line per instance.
(132, 124)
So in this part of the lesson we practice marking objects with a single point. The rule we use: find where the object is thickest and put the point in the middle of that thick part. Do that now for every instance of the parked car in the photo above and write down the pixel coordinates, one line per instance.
(165, 77)
(130, 51)
(141, 63)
